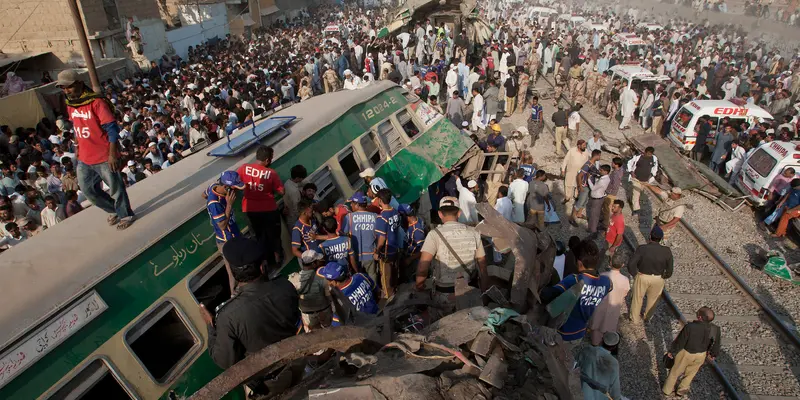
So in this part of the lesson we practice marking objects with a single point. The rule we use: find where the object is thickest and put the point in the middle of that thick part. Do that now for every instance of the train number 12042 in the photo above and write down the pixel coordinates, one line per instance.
(377, 109)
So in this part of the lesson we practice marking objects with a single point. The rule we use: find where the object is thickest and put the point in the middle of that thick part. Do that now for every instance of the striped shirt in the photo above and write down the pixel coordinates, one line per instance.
(216, 205)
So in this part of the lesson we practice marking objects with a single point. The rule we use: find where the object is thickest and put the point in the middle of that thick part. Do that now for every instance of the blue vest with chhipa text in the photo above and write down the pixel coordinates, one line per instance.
(595, 288)
(360, 225)
(337, 249)
(360, 291)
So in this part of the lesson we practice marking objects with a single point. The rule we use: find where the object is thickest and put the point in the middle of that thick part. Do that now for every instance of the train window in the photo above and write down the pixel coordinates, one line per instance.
(351, 166)
(161, 340)
(95, 381)
(407, 123)
(210, 286)
(390, 137)
(411, 97)
(370, 146)
(328, 192)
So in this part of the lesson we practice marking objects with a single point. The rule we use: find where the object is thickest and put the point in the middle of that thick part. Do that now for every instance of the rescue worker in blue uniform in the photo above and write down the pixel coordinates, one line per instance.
(359, 225)
(220, 198)
(359, 288)
(414, 238)
(337, 248)
(387, 226)
(595, 287)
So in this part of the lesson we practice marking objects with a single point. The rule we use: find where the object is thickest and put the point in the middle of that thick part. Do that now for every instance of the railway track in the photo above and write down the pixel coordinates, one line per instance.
(760, 355)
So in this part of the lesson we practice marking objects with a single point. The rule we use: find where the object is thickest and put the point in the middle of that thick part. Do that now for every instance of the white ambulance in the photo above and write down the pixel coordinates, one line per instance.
(682, 133)
(636, 76)
(764, 164)
(631, 42)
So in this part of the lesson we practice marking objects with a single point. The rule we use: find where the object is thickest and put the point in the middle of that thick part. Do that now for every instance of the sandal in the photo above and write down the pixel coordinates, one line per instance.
(125, 223)
(112, 220)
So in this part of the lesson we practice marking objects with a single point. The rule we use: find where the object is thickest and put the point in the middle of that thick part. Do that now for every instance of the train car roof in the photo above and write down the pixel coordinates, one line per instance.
(46, 272)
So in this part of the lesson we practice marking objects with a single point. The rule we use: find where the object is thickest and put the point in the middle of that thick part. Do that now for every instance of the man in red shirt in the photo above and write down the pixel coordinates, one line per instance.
(260, 185)
(97, 133)
(616, 227)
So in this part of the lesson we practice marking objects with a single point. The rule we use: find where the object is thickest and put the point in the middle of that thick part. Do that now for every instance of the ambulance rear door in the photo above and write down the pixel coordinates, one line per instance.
(682, 132)
(764, 165)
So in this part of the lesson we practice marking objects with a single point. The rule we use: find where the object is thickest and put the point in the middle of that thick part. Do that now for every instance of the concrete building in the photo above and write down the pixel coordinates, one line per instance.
(46, 26)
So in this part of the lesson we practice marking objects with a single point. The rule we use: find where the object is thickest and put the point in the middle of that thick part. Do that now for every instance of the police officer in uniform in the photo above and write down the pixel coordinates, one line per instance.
(450, 249)
(261, 312)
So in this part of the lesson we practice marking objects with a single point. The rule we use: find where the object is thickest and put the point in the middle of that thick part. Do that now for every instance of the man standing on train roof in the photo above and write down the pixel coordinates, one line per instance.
(261, 183)
(220, 198)
(261, 312)
(97, 134)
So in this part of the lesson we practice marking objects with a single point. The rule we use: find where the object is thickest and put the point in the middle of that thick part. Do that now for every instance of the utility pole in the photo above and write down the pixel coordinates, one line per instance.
(87, 51)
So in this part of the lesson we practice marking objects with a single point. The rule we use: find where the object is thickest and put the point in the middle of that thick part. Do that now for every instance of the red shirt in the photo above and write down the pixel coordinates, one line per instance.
(260, 185)
(374, 206)
(340, 212)
(87, 121)
(615, 227)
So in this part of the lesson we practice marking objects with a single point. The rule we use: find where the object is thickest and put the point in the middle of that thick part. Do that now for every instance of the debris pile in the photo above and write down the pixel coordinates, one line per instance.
(476, 353)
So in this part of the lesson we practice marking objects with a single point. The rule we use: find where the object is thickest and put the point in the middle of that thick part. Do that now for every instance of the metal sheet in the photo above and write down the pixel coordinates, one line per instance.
(247, 138)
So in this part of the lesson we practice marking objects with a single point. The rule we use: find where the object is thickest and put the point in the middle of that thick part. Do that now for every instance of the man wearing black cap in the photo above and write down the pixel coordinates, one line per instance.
(261, 312)
(650, 265)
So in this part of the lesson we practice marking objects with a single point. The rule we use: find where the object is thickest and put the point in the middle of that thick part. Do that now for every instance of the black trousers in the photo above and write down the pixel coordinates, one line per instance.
(267, 229)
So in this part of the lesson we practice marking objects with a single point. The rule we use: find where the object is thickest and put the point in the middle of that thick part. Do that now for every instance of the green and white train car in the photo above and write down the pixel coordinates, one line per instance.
(95, 313)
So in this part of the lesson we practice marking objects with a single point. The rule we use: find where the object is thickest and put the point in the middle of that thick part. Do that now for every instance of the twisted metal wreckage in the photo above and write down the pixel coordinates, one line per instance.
(462, 13)
(478, 352)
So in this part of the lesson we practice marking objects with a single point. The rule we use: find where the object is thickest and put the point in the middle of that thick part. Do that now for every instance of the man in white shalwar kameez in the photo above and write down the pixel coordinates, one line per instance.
(471, 81)
(451, 80)
(477, 111)
(734, 165)
(647, 102)
(548, 60)
(503, 66)
(518, 192)
(627, 105)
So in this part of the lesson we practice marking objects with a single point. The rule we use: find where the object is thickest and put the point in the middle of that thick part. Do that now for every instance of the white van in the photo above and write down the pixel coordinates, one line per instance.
(573, 20)
(682, 133)
(541, 14)
(764, 164)
(636, 76)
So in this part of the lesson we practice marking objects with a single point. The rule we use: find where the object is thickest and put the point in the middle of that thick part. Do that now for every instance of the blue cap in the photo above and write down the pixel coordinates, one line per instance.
(232, 179)
(332, 271)
(657, 233)
(405, 209)
(359, 198)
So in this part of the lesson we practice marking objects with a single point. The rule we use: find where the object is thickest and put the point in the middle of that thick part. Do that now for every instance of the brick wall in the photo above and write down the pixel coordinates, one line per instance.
(46, 27)
(49, 26)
